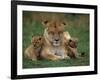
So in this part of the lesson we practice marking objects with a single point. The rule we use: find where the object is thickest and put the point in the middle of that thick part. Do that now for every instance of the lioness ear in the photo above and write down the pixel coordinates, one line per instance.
(45, 22)
(64, 23)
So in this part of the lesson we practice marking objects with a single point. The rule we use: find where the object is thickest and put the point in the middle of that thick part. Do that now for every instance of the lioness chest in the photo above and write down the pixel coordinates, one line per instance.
(60, 51)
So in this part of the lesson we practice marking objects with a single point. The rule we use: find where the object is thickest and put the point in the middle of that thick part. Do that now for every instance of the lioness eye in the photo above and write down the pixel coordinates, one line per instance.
(51, 32)
(60, 32)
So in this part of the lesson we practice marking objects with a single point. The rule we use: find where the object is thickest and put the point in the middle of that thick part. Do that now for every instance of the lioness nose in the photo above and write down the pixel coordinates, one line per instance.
(56, 39)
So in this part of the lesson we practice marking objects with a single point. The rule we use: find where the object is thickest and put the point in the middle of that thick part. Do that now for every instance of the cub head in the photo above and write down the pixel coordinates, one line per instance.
(37, 41)
(73, 42)
(54, 32)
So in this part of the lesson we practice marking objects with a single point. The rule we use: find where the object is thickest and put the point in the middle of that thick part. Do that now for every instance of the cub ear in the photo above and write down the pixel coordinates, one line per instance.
(76, 39)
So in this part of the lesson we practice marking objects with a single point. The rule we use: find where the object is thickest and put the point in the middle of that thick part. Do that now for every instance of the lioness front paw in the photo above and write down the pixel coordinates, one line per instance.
(66, 57)
(34, 59)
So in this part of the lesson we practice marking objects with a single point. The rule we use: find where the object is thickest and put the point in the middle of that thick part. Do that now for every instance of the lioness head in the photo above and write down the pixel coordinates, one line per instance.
(54, 32)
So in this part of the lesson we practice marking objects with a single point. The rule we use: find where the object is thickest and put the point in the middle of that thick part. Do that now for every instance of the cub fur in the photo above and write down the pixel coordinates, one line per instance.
(71, 45)
(34, 49)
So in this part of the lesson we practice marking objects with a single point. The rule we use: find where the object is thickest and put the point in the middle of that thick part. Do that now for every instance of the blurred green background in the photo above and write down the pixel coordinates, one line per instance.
(77, 26)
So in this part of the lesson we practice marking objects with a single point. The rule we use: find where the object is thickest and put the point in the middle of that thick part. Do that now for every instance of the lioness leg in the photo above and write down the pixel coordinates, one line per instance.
(47, 55)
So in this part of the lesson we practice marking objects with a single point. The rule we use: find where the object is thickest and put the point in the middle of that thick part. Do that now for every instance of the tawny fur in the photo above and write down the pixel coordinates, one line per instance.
(34, 49)
(54, 48)
(53, 45)
(71, 45)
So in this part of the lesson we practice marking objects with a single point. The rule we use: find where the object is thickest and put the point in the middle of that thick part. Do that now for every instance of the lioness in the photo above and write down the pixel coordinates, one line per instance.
(54, 48)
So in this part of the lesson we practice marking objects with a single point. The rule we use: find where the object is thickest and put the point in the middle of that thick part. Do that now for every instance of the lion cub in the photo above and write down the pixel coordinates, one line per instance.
(71, 45)
(34, 49)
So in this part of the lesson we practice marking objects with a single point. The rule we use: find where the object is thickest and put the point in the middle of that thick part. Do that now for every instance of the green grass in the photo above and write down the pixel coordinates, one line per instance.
(80, 31)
